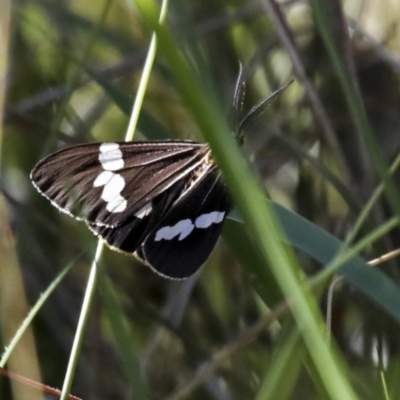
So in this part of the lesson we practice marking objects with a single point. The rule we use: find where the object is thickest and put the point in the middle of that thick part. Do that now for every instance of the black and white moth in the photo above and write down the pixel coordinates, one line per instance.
(162, 201)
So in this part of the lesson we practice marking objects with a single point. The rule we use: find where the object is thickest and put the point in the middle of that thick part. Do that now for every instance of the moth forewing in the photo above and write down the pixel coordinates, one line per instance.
(109, 182)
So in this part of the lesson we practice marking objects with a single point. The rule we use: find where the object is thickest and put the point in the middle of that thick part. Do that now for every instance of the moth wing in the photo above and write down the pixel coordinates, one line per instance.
(184, 238)
(107, 183)
(129, 235)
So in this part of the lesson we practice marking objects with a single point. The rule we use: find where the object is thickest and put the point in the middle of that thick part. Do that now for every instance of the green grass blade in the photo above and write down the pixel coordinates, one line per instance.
(283, 370)
(257, 215)
(324, 247)
(34, 310)
(122, 340)
(82, 323)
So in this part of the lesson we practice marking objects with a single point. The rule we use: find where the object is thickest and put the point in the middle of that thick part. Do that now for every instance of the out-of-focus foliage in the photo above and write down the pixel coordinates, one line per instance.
(71, 79)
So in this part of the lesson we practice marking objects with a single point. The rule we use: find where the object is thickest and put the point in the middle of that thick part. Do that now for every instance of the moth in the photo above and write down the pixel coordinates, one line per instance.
(162, 201)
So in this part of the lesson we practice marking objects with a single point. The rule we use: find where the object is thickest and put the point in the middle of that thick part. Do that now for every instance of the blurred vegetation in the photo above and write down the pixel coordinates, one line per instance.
(72, 73)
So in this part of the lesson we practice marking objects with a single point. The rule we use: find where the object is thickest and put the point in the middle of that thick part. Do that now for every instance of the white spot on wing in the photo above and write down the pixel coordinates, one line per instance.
(104, 147)
(205, 220)
(103, 178)
(110, 157)
(186, 229)
(117, 204)
(182, 228)
(144, 211)
(113, 188)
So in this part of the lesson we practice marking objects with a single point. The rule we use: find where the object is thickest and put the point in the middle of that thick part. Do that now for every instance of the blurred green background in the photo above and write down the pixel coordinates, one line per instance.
(71, 76)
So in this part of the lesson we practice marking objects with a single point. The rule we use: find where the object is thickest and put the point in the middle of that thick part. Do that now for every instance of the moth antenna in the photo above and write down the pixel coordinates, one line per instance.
(238, 97)
(257, 110)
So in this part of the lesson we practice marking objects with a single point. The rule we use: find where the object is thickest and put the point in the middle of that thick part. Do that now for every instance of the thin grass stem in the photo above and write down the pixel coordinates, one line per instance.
(33, 312)
(91, 286)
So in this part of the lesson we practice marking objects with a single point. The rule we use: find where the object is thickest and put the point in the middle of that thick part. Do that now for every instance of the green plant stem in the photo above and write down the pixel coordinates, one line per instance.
(91, 286)
(370, 204)
(384, 386)
(348, 253)
(148, 66)
(32, 313)
(245, 191)
(122, 339)
(80, 330)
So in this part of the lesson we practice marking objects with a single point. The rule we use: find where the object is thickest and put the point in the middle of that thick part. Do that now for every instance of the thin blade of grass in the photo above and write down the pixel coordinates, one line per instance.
(122, 340)
(283, 370)
(324, 247)
(246, 193)
(93, 276)
(34, 310)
